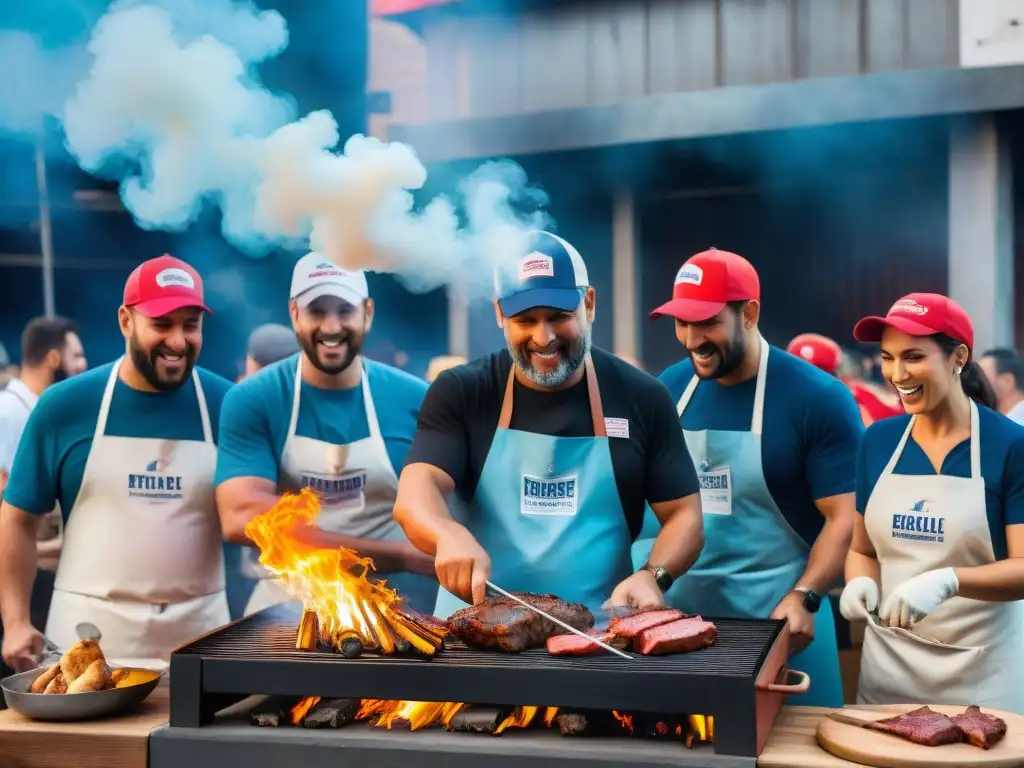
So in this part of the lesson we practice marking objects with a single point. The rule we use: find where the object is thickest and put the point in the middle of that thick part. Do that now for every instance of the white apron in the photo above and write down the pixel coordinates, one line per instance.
(142, 556)
(966, 651)
(357, 486)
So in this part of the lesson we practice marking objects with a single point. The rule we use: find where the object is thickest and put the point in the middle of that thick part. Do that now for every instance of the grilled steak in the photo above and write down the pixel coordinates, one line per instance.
(574, 645)
(501, 624)
(676, 637)
(980, 729)
(922, 726)
(632, 625)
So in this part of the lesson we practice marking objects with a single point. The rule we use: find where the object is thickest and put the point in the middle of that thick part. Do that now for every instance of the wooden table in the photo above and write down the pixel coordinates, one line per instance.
(792, 744)
(121, 742)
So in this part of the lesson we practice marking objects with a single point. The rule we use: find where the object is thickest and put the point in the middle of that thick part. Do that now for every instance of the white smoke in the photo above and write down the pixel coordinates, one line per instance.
(172, 107)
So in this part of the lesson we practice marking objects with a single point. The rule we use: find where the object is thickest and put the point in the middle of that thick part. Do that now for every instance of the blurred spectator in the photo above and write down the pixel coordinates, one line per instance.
(1005, 371)
(268, 344)
(7, 371)
(442, 363)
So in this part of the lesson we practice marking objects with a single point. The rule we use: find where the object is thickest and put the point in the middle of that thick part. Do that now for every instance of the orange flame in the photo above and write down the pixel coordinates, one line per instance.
(301, 709)
(332, 583)
(625, 719)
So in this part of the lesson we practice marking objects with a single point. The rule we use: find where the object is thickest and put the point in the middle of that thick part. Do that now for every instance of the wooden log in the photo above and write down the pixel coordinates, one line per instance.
(274, 711)
(309, 632)
(482, 719)
(331, 713)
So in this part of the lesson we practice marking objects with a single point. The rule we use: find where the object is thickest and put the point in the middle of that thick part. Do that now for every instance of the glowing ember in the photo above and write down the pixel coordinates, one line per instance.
(334, 583)
(625, 719)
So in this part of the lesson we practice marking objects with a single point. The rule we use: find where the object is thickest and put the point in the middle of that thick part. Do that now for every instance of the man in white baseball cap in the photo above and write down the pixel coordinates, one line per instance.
(316, 419)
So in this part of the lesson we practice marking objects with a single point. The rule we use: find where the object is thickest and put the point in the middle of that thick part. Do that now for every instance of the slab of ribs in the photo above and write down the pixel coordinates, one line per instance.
(932, 729)
(502, 624)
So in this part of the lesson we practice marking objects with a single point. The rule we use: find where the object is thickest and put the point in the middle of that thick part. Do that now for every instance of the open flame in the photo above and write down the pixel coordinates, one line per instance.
(334, 584)
(416, 715)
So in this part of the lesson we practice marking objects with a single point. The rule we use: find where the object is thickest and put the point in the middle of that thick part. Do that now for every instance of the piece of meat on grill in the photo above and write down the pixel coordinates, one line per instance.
(980, 729)
(676, 637)
(574, 645)
(633, 624)
(922, 726)
(502, 624)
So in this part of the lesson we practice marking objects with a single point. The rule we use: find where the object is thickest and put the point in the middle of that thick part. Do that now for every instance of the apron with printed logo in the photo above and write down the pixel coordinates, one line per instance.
(752, 557)
(142, 557)
(547, 512)
(357, 487)
(965, 651)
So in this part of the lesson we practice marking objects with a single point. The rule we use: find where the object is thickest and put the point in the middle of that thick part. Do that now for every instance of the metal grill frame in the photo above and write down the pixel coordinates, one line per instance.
(249, 657)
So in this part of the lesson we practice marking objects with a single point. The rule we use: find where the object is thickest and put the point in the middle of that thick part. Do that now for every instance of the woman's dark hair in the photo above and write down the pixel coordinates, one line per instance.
(974, 381)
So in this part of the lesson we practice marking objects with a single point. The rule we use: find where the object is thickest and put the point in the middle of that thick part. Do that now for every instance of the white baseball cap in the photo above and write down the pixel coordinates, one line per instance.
(315, 276)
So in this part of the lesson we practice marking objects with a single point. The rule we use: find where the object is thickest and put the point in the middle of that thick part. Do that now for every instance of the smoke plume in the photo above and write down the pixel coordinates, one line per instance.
(172, 107)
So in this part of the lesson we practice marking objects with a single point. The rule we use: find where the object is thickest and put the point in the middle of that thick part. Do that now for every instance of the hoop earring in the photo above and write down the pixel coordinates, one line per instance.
(959, 370)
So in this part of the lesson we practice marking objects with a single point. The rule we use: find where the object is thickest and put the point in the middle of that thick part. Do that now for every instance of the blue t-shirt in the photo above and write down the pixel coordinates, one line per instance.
(810, 435)
(1002, 466)
(256, 414)
(50, 461)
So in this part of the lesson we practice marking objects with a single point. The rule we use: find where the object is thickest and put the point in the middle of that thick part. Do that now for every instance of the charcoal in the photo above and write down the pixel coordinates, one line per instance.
(331, 713)
(478, 719)
(656, 726)
(588, 722)
(273, 712)
(351, 647)
(573, 723)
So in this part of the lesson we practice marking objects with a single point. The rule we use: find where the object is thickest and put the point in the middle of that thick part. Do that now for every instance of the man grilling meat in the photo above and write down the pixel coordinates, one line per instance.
(555, 445)
(775, 441)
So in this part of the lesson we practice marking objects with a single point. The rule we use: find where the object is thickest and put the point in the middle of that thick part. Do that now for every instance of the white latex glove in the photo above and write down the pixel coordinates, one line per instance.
(859, 598)
(915, 598)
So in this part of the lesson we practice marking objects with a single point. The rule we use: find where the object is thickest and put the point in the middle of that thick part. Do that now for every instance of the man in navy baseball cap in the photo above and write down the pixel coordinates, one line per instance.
(556, 469)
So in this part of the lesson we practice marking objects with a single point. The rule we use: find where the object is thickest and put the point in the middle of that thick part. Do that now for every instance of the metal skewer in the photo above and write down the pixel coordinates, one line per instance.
(562, 624)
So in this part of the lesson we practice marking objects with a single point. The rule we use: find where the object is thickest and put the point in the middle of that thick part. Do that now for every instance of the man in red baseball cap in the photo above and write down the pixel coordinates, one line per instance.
(128, 449)
(774, 442)
(822, 352)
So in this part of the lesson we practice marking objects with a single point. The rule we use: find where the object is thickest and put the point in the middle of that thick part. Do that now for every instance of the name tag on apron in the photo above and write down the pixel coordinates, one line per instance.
(716, 491)
(342, 491)
(551, 496)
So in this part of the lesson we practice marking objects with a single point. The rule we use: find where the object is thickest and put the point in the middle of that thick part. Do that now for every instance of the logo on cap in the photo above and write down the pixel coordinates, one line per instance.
(690, 273)
(536, 265)
(807, 351)
(326, 269)
(174, 276)
(909, 306)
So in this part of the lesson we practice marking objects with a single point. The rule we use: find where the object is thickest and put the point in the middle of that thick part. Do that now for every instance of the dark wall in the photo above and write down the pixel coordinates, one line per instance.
(839, 223)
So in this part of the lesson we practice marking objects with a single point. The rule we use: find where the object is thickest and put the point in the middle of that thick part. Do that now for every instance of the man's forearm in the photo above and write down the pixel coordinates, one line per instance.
(680, 541)
(421, 508)
(825, 564)
(235, 517)
(17, 566)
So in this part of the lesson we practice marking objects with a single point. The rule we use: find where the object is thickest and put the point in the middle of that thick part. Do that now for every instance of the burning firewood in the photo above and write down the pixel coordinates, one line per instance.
(473, 719)
(274, 711)
(331, 713)
(336, 588)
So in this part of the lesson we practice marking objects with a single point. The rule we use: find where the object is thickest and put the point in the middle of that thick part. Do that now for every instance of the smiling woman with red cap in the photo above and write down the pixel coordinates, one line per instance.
(936, 567)
(774, 441)
(128, 449)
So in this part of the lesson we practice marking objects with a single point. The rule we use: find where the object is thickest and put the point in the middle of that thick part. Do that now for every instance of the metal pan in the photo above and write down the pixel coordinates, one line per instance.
(67, 707)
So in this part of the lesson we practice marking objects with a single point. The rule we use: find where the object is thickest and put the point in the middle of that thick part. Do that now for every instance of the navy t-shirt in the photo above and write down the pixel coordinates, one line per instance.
(810, 433)
(1002, 466)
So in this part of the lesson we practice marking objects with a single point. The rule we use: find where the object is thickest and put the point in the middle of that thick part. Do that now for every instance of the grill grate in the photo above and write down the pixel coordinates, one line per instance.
(257, 655)
(738, 651)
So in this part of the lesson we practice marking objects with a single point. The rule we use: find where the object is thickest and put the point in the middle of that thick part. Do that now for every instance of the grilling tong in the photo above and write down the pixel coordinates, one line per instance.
(560, 623)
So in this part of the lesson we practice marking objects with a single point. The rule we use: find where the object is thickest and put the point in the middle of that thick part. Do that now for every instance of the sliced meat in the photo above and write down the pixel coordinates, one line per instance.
(632, 625)
(922, 726)
(676, 637)
(574, 645)
(980, 729)
(502, 624)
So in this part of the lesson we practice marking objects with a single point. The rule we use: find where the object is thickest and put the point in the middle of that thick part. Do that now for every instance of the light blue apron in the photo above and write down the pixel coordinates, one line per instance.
(547, 512)
(752, 557)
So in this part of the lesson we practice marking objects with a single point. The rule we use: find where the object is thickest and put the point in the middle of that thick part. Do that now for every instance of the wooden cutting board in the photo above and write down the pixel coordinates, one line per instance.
(881, 750)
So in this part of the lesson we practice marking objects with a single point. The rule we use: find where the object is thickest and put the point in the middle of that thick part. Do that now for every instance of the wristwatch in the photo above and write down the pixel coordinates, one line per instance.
(662, 577)
(812, 600)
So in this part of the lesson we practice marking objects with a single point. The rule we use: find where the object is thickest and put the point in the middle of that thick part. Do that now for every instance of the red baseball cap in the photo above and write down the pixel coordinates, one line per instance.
(159, 286)
(820, 351)
(920, 314)
(707, 282)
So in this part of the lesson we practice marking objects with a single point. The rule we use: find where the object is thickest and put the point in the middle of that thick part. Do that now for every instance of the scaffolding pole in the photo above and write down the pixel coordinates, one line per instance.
(45, 228)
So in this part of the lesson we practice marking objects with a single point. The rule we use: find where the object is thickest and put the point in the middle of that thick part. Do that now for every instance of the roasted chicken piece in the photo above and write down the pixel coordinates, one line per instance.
(79, 658)
(40, 683)
(94, 678)
(58, 684)
(117, 677)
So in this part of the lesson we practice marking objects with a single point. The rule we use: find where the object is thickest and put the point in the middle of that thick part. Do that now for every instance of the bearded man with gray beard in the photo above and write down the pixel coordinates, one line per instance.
(553, 447)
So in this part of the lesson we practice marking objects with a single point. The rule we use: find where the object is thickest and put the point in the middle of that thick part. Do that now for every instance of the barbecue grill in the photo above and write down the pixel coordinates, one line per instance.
(736, 680)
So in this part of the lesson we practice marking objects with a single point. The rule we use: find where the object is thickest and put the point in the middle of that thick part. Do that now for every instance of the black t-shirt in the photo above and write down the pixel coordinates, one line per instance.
(459, 416)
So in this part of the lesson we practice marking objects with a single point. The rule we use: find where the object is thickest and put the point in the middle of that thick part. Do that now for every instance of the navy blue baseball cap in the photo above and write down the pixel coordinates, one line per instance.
(551, 274)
